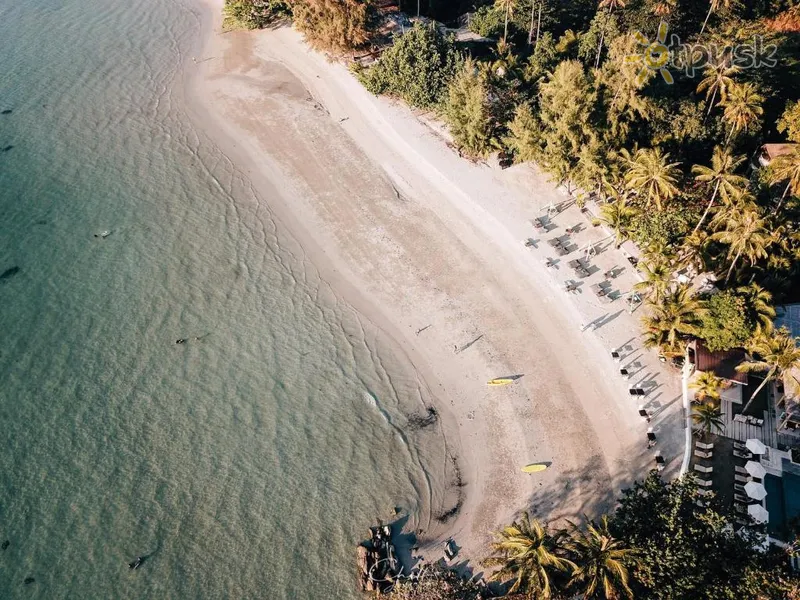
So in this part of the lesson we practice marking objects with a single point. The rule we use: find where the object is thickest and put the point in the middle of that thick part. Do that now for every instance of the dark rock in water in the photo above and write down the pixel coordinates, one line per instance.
(7, 148)
(5, 545)
(7, 111)
(8, 273)
(29, 580)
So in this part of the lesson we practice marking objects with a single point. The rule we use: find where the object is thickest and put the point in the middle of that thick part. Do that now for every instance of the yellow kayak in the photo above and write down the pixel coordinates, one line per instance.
(500, 381)
(534, 468)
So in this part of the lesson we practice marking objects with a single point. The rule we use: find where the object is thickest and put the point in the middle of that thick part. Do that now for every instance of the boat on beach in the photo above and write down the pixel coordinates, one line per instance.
(534, 468)
(500, 381)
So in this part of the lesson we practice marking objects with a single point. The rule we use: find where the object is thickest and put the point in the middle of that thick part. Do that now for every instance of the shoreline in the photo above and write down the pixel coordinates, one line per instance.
(376, 203)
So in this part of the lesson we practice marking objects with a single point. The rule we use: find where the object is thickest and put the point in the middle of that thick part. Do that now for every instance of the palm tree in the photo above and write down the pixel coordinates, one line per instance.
(693, 250)
(507, 6)
(708, 387)
(617, 216)
(777, 354)
(760, 302)
(677, 314)
(528, 553)
(713, 6)
(664, 8)
(602, 562)
(651, 173)
(742, 107)
(721, 175)
(717, 81)
(657, 276)
(746, 235)
(787, 168)
(708, 419)
(609, 5)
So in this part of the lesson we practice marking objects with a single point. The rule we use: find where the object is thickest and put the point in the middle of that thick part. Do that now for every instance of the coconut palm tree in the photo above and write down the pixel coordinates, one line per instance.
(775, 354)
(651, 174)
(527, 552)
(602, 562)
(787, 168)
(507, 6)
(675, 315)
(609, 5)
(759, 301)
(714, 5)
(617, 216)
(657, 276)
(717, 81)
(743, 107)
(693, 250)
(720, 175)
(746, 235)
(708, 387)
(707, 419)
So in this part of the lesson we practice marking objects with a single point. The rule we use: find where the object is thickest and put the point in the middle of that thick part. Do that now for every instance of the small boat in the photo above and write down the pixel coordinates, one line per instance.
(534, 468)
(500, 381)
(103, 234)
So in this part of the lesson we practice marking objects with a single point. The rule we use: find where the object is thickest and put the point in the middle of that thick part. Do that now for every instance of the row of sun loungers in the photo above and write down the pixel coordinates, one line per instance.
(749, 420)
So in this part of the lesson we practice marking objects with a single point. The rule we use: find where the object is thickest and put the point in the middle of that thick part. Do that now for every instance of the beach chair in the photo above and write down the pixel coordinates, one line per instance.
(741, 478)
(738, 454)
(704, 492)
(759, 422)
(538, 223)
(703, 445)
(704, 482)
(704, 469)
(741, 470)
(738, 487)
(702, 454)
(740, 498)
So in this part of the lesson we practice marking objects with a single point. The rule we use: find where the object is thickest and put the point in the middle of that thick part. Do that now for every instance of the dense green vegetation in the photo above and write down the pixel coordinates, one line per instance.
(658, 545)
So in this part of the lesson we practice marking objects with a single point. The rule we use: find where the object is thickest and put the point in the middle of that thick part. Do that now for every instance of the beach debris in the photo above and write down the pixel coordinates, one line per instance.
(5, 545)
(29, 580)
(421, 421)
(378, 566)
(9, 273)
(7, 111)
(423, 329)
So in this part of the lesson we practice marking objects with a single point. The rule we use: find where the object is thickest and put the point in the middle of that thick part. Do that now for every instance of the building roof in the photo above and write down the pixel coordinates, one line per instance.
(788, 316)
(773, 151)
(721, 363)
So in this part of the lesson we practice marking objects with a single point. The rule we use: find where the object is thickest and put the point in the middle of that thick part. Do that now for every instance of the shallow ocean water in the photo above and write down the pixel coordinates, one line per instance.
(246, 463)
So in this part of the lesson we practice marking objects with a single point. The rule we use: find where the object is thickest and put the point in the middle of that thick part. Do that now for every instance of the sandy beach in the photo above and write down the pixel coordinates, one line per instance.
(428, 247)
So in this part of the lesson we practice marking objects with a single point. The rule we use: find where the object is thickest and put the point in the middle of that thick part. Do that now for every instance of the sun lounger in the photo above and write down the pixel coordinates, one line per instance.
(740, 498)
(704, 482)
(599, 291)
(703, 492)
(703, 445)
(738, 487)
(702, 454)
(759, 422)
(745, 455)
(741, 478)
(741, 470)
(703, 468)
(561, 251)
(555, 242)
(538, 223)
(740, 445)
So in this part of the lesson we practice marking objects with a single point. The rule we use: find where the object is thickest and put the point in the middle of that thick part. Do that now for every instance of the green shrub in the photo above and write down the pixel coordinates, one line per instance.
(417, 67)
(487, 22)
(253, 14)
(725, 325)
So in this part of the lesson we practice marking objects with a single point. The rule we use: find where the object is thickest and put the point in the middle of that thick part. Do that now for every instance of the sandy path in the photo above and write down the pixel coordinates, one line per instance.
(414, 237)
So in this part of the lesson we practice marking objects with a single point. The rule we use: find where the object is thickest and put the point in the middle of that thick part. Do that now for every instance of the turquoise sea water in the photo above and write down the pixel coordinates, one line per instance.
(246, 464)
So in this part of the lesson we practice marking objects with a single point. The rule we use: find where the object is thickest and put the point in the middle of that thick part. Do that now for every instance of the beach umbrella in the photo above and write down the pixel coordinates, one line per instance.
(755, 468)
(755, 490)
(758, 512)
(755, 446)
